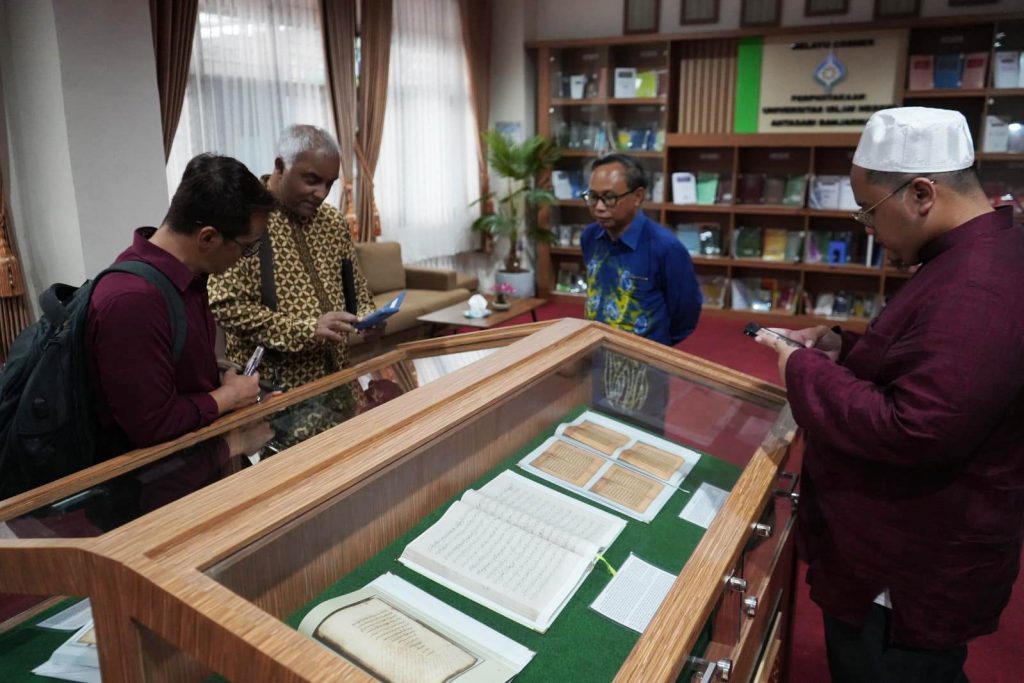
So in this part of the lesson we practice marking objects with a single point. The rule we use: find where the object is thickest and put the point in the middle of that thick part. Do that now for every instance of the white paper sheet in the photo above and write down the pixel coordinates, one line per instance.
(634, 594)
(704, 505)
(70, 619)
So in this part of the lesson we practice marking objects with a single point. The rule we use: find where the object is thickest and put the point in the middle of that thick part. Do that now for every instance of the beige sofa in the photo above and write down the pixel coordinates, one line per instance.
(426, 289)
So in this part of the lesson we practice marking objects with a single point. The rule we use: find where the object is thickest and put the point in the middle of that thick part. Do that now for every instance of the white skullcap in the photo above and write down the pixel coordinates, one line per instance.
(915, 140)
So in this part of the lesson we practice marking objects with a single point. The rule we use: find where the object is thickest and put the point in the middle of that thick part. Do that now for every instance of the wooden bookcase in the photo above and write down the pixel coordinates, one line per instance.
(576, 121)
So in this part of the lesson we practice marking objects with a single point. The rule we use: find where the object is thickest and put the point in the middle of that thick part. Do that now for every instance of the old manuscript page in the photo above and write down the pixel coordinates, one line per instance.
(391, 645)
(568, 463)
(599, 438)
(652, 459)
(627, 488)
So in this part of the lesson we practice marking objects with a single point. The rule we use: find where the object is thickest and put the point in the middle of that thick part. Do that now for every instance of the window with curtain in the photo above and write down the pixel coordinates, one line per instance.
(257, 66)
(427, 172)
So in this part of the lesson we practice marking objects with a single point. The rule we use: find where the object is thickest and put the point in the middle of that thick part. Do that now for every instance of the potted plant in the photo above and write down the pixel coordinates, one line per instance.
(515, 208)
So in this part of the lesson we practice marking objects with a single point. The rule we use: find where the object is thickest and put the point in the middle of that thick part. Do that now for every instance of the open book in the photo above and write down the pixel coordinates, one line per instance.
(612, 463)
(398, 633)
(514, 546)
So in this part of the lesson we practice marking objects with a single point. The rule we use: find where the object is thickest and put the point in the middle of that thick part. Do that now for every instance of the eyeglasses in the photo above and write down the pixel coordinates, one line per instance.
(610, 200)
(250, 249)
(866, 217)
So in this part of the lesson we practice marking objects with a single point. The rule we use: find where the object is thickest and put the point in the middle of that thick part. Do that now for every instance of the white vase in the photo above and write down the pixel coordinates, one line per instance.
(522, 283)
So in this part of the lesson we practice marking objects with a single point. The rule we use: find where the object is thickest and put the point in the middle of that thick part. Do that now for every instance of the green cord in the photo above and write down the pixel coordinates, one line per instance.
(611, 569)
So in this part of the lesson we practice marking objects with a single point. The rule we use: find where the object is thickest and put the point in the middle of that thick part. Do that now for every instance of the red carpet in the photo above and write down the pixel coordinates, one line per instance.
(996, 658)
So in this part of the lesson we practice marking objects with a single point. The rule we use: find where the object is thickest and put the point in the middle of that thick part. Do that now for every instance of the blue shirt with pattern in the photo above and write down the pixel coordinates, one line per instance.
(643, 282)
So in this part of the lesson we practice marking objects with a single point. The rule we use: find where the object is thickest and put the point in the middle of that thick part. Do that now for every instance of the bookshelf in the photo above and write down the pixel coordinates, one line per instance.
(669, 133)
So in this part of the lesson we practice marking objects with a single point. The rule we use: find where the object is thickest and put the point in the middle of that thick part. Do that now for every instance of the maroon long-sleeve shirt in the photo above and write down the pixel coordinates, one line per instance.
(913, 479)
(142, 397)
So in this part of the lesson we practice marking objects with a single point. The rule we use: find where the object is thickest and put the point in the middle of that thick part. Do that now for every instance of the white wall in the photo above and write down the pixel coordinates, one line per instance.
(562, 19)
(85, 152)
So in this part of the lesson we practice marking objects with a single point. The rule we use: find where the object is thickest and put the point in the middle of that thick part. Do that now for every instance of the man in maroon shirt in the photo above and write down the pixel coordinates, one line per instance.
(912, 500)
(218, 215)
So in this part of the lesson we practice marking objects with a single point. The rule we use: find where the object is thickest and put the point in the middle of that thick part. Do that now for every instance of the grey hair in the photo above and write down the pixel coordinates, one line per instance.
(300, 138)
(636, 175)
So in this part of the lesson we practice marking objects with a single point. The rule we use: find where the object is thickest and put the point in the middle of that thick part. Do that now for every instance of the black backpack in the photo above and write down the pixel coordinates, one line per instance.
(47, 424)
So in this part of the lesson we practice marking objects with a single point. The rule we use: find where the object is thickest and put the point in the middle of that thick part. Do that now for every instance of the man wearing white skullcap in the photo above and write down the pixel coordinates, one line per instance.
(912, 504)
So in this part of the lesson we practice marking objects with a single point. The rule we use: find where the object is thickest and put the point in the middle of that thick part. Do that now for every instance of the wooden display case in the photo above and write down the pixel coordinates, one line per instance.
(699, 105)
(204, 583)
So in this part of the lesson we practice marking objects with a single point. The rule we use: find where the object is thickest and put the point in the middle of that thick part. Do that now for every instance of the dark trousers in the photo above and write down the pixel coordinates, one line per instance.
(865, 655)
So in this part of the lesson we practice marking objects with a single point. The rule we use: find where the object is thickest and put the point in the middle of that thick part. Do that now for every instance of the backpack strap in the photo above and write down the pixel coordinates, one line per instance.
(175, 306)
(268, 291)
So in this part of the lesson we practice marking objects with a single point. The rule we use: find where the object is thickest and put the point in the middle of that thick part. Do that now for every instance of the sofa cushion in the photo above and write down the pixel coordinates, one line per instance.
(381, 263)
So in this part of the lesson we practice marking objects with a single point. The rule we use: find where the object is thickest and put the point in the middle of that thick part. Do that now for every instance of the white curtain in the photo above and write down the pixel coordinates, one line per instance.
(427, 173)
(257, 66)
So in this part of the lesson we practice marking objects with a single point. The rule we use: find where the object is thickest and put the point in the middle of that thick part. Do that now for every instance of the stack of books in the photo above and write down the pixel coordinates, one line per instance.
(765, 295)
(951, 70)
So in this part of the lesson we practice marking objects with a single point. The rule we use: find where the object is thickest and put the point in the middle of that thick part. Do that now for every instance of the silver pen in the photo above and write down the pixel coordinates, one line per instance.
(254, 361)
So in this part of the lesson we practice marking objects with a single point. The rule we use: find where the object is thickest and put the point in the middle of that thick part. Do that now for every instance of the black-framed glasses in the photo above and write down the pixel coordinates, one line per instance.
(610, 200)
(866, 217)
(250, 249)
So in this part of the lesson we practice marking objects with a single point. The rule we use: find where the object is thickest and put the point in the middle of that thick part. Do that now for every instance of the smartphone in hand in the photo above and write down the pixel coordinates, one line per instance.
(381, 314)
(751, 330)
(254, 361)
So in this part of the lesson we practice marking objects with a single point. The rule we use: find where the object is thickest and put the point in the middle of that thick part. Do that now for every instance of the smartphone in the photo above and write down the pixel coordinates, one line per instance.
(751, 330)
(381, 314)
(254, 361)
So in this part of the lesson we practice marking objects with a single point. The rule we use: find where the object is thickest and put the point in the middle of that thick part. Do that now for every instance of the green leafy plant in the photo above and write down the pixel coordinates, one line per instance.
(515, 209)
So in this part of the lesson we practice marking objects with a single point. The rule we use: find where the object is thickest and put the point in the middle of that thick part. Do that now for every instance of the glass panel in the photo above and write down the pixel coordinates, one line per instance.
(648, 439)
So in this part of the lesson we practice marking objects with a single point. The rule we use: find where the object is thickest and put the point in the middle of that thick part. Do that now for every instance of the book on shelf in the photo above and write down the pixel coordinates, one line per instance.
(840, 247)
(625, 82)
(750, 188)
(975, 70)
(825, 191)
(657, 187)
(562, 184)
(919, 72)
(1015, 137)
(774, 189)
(816, 246)
(689, 236)
(514, 546)
(949, 70)
(684, 188)
(646, 83)
(847, 202)
(796, 190)
(843, 304)
(396, 632)
(997, 133)
(713, 289)
(765, 295)
(794, 245)
(746, 242)
(710, 239)
(1006, 69)
(577, 86)
(707, 187)
(775, 240)
(612, 464)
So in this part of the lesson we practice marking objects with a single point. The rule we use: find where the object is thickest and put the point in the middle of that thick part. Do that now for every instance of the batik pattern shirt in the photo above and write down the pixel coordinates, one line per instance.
(642, 283)
(307, 275)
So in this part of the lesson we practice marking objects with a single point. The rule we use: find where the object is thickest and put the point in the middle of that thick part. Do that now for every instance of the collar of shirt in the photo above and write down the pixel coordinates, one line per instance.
(631, 237)
(1000, 219)
(176, 271)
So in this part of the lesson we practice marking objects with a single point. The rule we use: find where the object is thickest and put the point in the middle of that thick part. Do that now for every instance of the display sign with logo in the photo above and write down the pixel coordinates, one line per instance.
(828, 84)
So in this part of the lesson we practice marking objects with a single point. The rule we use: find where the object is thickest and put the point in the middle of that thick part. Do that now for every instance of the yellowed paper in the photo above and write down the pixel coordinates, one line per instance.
(597, 437)
(391, 645)
(568, 463)
(628, 489)
(648, 458)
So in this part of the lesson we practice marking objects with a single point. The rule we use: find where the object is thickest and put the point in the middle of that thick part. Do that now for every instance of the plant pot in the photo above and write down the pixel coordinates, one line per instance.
(522, 283)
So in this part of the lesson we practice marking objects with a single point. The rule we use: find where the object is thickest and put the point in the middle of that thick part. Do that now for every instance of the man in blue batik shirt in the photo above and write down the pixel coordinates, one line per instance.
(639, 276)
(639, 279)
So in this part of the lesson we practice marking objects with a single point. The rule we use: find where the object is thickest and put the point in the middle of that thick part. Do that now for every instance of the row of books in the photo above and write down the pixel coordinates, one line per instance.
(608, 136)
(1003, 134)
(571, 184)
(629, 82)
(958, 70)
(826, 192)
(783, 296)
(838, 247)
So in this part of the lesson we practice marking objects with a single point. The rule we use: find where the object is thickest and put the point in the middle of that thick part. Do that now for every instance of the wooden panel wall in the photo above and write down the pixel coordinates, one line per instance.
(707, 86)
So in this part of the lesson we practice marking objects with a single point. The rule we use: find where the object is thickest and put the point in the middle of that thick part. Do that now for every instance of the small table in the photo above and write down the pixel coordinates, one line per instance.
(452, 316)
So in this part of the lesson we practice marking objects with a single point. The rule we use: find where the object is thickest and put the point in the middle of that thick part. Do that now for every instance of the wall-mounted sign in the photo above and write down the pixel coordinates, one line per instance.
(828, 84)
